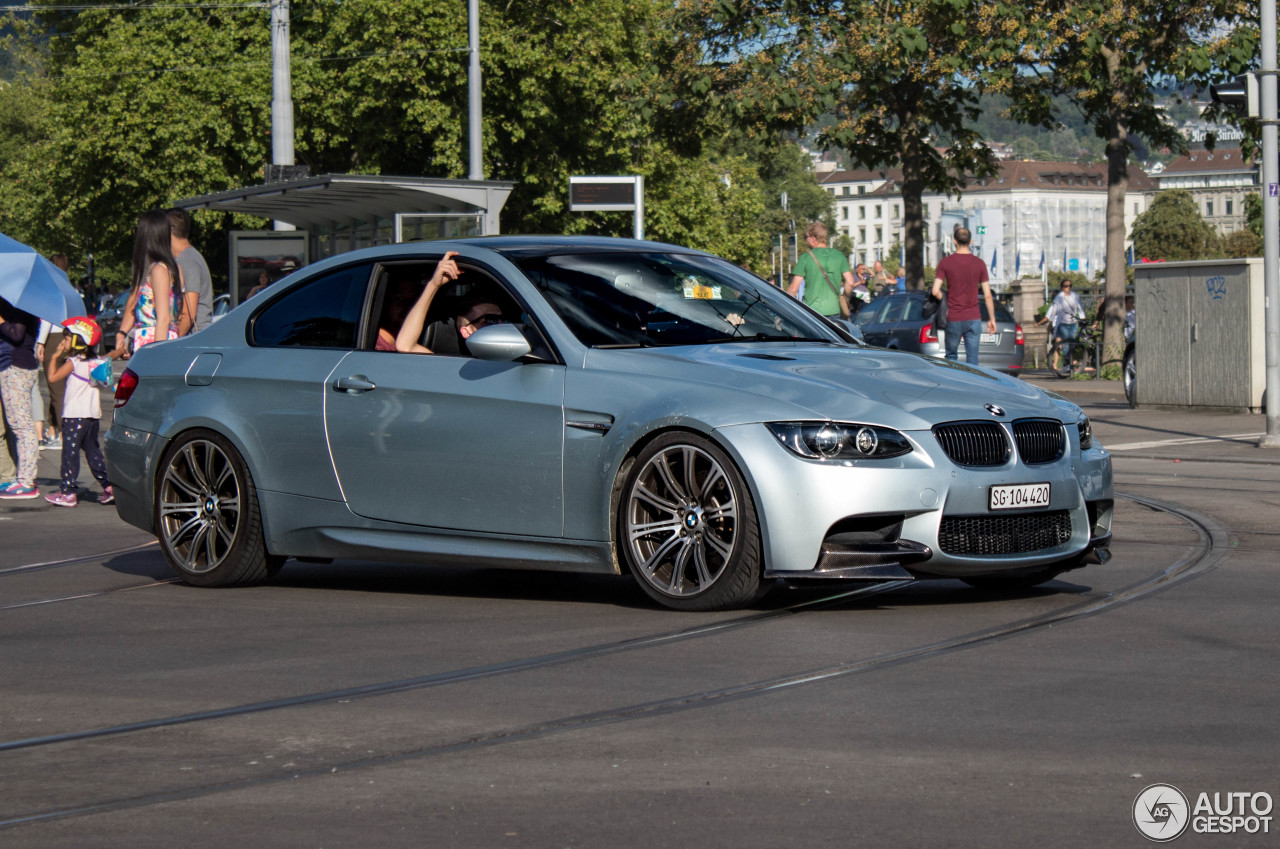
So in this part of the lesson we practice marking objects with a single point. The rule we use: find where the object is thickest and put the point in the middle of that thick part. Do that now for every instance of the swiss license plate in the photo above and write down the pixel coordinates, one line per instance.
(1019, 496)
(990, 338)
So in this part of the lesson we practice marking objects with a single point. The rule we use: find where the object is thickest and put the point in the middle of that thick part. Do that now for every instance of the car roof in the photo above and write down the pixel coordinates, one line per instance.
(523, 247)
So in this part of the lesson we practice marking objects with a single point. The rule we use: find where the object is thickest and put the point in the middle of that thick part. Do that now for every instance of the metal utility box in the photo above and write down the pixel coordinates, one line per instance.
(1199, 340)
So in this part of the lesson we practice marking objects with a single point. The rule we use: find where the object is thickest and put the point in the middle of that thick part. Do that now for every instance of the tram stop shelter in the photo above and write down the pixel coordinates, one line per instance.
(335, 213)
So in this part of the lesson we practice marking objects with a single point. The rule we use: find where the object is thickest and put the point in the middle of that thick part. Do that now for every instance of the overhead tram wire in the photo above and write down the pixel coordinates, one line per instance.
(131, 7)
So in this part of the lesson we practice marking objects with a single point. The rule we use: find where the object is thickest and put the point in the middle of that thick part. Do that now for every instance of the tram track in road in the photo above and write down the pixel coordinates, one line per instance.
(90, 594)
(29, 568)
(1210, 550)
(82, 558)
(461, 675)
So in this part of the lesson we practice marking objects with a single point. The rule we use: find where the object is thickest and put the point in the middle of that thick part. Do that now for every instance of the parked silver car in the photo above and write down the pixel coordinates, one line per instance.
(898, 322)
(630, 406)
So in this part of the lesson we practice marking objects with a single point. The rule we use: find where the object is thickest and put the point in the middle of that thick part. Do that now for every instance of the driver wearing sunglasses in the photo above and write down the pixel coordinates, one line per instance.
(444, 337)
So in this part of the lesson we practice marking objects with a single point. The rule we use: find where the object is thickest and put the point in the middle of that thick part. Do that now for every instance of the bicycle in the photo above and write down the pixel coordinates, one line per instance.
(1070, 357)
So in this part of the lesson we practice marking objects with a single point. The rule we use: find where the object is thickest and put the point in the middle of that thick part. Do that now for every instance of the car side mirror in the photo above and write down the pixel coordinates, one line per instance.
(502, 343)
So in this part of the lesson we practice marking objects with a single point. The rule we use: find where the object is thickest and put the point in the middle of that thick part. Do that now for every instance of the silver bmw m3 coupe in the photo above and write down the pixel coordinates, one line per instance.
(594, 405)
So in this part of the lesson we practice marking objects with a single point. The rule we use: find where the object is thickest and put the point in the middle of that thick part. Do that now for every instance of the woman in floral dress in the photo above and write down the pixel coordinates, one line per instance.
(151, 312)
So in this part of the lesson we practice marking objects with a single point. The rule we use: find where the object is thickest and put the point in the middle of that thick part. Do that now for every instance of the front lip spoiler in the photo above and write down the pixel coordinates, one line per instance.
(1099, 550)
(872, 562)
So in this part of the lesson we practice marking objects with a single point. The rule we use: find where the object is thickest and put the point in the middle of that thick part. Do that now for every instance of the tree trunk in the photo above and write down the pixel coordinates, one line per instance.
(912, 205)
(1117, 186)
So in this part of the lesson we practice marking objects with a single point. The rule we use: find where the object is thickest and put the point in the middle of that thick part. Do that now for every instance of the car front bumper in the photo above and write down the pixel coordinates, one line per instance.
(919, 514)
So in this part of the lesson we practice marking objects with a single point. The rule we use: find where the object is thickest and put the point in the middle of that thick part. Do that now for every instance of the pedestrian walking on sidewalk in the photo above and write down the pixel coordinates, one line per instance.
(18, 365)
(966, 277)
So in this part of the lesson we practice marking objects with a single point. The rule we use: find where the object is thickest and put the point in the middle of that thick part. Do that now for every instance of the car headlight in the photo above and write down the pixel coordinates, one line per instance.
(1086, 432)
(836, 441)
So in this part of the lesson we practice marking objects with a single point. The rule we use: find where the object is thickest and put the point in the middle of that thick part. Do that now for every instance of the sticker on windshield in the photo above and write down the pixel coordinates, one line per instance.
(695, 291)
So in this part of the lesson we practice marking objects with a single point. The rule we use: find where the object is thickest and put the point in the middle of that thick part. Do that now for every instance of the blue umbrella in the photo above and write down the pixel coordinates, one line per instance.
(33, 284)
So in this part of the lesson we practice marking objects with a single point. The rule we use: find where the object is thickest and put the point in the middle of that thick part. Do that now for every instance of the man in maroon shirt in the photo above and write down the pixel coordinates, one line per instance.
(964, 275)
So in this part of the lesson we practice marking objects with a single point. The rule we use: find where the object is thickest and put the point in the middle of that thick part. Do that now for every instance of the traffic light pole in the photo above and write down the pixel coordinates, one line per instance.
(1270, 220)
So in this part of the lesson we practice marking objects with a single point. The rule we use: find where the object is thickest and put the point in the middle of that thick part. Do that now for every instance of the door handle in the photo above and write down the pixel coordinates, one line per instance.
(354, 384)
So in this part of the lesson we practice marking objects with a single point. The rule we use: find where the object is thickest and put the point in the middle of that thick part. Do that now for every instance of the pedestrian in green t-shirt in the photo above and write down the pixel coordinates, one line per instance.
(818, 294)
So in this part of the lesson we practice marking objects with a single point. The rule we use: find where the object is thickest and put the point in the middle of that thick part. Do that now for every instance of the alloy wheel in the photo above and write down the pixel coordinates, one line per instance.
(681, 521)
(199, 506)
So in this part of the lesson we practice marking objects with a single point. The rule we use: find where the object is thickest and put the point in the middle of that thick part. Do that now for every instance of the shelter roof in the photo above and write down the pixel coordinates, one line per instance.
(330, 200)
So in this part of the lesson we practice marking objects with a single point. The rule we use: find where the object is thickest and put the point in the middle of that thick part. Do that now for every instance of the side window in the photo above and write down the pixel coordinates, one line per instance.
(869, 314)
(476, 299)
(324, 312)
(896, 310)
(915, 309)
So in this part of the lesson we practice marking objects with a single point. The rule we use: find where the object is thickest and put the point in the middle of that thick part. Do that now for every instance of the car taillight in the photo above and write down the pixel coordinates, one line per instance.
(124, 389)
(927, 334)
(1017, 335)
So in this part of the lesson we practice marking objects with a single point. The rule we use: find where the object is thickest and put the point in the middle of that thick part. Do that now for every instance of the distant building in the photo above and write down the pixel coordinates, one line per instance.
(1053, 212)
(1218, 180)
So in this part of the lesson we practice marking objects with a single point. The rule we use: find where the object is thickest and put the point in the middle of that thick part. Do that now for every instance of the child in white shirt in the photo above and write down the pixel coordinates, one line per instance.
(75, 362)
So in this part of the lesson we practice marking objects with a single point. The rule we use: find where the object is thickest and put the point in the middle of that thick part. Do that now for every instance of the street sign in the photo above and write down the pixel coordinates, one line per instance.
(609, 194)
(602, 194)
(982, 231)
(1273, 189)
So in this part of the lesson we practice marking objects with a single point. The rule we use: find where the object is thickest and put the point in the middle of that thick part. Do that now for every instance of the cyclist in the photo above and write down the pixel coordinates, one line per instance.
(1065, 315)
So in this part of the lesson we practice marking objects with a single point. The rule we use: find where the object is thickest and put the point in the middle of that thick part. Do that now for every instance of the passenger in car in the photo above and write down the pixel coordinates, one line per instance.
(445, 337)
(400, 297)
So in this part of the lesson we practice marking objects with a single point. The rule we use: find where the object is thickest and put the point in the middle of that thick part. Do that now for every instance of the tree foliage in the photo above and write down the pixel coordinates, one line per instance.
(1253, 213)
(1241, 243)
(129, 124)
(1114, 58)
(1171, 229)
(888, 76)
(150, 105)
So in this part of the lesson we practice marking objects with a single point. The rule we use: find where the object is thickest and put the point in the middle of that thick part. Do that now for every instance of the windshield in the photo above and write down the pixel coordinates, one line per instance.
(647, 299)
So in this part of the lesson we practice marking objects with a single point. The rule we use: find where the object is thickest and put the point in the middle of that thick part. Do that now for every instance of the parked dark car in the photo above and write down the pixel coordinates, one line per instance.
(898, 322)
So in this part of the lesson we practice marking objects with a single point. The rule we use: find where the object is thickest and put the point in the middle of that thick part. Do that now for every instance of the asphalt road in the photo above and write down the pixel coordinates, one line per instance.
(362, 704)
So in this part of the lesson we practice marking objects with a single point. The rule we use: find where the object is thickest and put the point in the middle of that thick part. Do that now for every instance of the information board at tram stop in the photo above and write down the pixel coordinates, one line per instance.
(603, 194)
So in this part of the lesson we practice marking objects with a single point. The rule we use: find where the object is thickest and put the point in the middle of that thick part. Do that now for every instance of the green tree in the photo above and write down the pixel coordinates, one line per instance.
(1241, 243)
(893, 76)
(785, 168)
(129, 124)
(379, 87)
(710, 203)
(1253, 213)
(24, 105)
(892, 259)
(1171, 229)
(1114, 58)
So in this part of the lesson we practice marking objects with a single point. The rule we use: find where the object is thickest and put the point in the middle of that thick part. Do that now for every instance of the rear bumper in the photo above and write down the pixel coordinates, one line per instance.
(131, 458)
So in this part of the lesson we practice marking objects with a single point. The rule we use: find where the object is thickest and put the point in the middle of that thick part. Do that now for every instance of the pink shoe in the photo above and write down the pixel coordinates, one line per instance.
(17, 490)
(108, 496)
(62, 499)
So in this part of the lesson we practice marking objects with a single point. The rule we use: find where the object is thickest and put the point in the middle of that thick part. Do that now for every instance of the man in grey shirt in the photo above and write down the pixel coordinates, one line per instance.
(197, 285)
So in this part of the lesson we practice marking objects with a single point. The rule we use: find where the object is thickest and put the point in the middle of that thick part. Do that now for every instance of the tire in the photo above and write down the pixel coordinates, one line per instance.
(1131, 377)
(1012, 583)
(687, 527)
(206, 514)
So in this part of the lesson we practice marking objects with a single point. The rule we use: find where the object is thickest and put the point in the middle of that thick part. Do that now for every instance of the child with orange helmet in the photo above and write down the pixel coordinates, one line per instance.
(85, 373)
